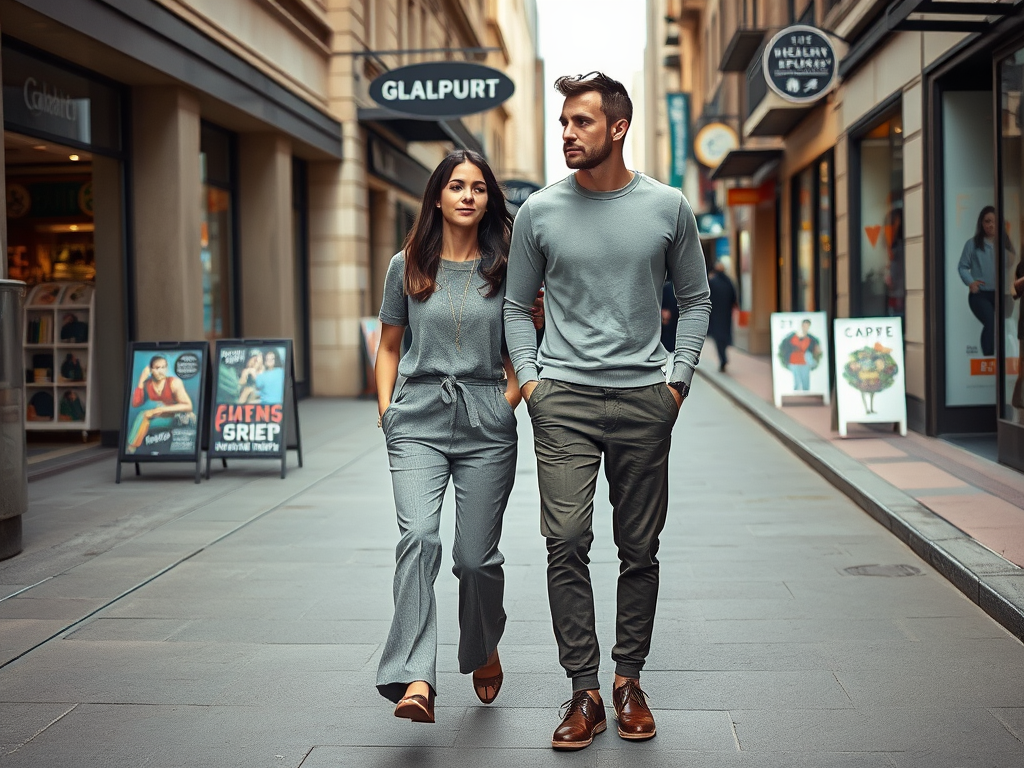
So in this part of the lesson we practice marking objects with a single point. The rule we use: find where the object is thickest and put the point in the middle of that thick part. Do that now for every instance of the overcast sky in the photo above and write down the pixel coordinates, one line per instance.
(577, 37)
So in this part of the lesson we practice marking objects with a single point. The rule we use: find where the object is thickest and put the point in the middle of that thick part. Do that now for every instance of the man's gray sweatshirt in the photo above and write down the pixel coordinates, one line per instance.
(603, 258)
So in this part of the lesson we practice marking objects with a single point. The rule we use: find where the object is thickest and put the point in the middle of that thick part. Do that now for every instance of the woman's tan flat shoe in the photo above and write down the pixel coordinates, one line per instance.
(419, 709)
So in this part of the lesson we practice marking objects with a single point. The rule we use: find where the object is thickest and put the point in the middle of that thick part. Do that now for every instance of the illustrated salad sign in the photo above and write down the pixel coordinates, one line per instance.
(870, 379)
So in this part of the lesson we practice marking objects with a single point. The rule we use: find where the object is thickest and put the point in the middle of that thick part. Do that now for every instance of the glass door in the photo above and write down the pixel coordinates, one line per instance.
(1007, 319)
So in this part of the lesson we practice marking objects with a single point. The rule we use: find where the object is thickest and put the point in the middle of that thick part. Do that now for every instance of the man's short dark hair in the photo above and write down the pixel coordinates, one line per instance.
(615, 102)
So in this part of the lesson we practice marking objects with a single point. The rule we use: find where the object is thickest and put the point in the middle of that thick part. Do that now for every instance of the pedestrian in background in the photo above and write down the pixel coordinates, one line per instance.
(451, 417)
(723, 300)
(602, 242)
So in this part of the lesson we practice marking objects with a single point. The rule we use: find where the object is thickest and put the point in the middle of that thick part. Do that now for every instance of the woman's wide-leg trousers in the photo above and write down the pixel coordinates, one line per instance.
(440, 428)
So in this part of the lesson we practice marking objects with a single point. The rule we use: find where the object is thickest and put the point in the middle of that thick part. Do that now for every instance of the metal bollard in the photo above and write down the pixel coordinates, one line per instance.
(13, 454)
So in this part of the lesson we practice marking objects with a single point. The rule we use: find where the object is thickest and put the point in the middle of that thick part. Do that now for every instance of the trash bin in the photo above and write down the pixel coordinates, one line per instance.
(13, 455)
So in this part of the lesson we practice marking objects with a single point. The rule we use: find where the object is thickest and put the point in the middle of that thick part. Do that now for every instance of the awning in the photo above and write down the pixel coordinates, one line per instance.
(410, 129)
(741, 50)
(747, 163)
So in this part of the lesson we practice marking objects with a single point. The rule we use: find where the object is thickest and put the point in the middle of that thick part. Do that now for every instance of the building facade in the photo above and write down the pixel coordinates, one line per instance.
(867, 202)
(217, 170)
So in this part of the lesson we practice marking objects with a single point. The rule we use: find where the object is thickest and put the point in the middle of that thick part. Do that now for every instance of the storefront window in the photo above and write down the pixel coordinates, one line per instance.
(812, 238)
(1008, 318)
(803, 242)
(217, 234)
(882, 285)
(970, 233)
(824, 240)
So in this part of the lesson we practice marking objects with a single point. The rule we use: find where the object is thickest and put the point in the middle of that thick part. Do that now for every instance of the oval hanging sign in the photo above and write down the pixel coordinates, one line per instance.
(800, 64)
(441, 89)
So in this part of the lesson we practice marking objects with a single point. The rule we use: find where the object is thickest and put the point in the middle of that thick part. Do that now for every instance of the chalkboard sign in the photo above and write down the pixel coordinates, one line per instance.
(254, 414)
(164, 403)
(800, 64)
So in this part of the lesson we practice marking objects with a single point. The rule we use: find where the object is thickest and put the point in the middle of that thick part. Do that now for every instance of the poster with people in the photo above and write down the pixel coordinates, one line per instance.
(253, 401)
(973, 237)
(163, 402)
(870, 372)
(800, 363)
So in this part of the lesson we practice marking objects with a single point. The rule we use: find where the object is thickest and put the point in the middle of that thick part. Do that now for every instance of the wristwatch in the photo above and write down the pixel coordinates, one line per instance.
(681, 387)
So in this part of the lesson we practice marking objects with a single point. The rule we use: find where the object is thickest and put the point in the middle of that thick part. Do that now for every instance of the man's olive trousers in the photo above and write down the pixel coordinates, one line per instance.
(574, 425)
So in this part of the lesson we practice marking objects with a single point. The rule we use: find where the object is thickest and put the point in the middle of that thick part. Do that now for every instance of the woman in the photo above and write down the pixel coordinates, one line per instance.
(977, 268)
(452, 417)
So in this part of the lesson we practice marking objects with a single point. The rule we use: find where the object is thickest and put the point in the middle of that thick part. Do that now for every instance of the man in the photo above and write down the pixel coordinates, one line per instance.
(723, 299)
(800, 354)
(602, 242)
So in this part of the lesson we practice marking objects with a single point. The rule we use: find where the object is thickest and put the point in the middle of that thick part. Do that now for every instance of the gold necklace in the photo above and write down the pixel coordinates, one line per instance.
(451, 302)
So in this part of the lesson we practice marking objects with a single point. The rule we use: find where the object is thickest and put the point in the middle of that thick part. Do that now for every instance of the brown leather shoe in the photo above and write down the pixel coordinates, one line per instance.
(584, 718)
(635, 719)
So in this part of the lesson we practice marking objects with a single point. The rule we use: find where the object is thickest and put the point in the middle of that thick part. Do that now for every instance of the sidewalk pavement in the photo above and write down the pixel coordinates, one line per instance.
(239, 622)
(962, 513)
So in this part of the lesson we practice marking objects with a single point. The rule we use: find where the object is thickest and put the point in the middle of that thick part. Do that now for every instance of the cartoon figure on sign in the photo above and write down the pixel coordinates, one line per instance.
(870, 370)
(800, 353)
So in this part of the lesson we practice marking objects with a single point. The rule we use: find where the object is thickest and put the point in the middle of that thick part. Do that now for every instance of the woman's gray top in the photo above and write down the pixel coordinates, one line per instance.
(978, 264)
(433, 351)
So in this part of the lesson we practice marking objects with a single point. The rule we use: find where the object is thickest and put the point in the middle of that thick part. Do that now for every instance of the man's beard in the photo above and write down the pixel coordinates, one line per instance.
(589, 159)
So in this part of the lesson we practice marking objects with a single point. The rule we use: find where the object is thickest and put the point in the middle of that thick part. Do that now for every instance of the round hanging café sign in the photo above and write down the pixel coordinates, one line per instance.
(800, 64)
(441, 89)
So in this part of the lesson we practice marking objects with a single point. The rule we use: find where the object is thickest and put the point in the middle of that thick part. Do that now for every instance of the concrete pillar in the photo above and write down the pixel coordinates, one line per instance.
(167, 200)
(266, 244)
(109, 343)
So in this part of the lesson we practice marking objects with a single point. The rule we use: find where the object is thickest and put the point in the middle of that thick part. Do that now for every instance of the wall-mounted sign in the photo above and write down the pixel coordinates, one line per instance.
(800, 64)
(870, 372)
(710, 224)
(679, 136)
(441, 89)
(713, 142)
(43, 99)
(750, 195)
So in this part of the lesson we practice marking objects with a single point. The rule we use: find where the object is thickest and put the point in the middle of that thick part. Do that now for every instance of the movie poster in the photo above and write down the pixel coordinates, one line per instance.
(800, 361)
(248, 416)
(870, 371)
(165, 391)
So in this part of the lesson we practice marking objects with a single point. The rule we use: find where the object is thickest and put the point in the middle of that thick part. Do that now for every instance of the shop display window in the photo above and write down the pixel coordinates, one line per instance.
(1007, 317)
(217, 240)
(881, 289)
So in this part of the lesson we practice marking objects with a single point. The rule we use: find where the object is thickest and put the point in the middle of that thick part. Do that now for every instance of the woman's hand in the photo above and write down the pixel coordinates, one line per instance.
(1018, 287)
(976, 286)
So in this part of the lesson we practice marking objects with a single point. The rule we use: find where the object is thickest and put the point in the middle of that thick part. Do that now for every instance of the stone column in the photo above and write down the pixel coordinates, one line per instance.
(266, 245)
(338, 250)
(167, 200)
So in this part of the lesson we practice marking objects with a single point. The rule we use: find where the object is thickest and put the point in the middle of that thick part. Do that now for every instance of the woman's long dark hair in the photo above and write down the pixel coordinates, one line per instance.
(423, 244)
(979, 229)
